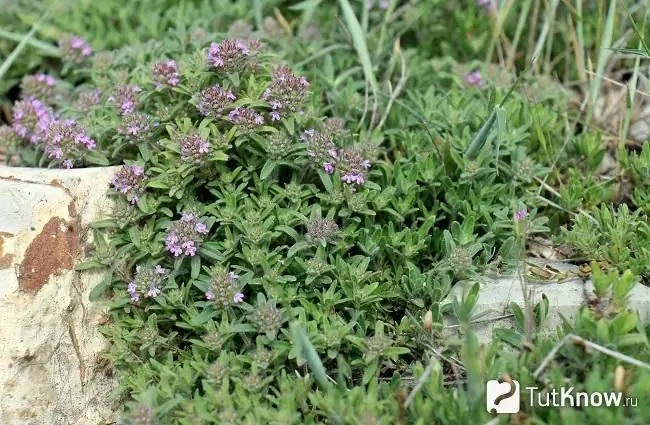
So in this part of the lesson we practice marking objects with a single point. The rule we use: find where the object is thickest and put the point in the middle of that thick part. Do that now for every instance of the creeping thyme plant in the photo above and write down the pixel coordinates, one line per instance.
(283, 239)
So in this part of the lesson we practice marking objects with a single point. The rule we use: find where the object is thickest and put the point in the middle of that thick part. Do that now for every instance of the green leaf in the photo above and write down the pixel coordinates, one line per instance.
(327, 181)
(632, 339)
(145, 151)
(301, 340)
(101, 287)
(220, 156)
(211, 251)
(157, 184)
(268, 168)
(370, 373)
(289, 231)
(96, 158)
(509, 336)
(200, 319)
(87, 265)
(195, 264)
(240, 328)
(103, 224)
(359, 41)
(297, 248)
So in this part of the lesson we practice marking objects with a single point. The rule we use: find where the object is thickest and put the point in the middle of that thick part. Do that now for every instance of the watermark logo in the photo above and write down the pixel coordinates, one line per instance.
(503, 396)
(568, 397)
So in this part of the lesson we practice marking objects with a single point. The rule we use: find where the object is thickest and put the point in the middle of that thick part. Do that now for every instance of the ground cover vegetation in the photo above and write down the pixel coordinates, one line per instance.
(303, 183)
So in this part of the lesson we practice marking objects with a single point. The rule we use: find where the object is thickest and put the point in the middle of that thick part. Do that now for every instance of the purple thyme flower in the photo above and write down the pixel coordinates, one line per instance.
(520, 215)
(87, 100)
(142, 415)
(322, 229)
(352, 165)
(335, 127)
(150, 279)
(320, 148)
(137, 127)
(383, 4)
(185, 235)
(224, 290)
(214, 101)
(127, 98)
(328, 167)
(31, 119)
(193, 147)
(66, 139)
(74, 49)
(39, 86)
(246, 118)
(474, 78)
(133, 292)
(232, 55)
(286, 92)
(165, 74)
(129, 181)
(489, 5)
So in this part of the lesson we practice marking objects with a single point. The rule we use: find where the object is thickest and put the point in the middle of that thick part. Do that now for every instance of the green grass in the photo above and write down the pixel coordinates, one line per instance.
(359, 334)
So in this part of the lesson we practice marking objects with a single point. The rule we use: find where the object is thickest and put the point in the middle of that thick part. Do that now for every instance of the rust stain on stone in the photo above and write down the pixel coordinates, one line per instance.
(53, 250)
(5, 259)
(56, 183)
(72, 209)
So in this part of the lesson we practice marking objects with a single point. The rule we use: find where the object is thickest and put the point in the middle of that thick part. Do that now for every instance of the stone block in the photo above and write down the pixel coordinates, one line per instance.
(565, 300)
(50, 345)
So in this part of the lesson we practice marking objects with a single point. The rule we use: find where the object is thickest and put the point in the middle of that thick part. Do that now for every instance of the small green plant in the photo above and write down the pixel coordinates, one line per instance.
(615, 236)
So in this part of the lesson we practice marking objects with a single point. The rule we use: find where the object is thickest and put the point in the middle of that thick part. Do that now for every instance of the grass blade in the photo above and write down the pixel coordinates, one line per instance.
(45, 48)
(550, 18)
(481, 137)
(605, 52)
(301, 339)
(359, 41)
(13, 56)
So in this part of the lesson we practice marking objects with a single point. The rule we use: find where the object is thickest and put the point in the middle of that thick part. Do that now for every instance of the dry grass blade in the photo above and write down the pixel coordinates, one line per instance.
(541, 41)
(578, 340)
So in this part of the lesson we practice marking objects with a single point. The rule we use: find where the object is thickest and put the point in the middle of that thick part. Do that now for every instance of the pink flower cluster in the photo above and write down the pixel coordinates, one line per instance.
(286, 92)
(149, 279)
(215, 101)
(63, 140)
(40, 86)
(246, 118)
(232, 55)
(165, 74)
(224, 291)
(137, 126)
(474, 78)
(351, 164)
(74, 49)
(129, 181)
(185, 235)
(193, 147)
(31, 119)
(127, 98)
